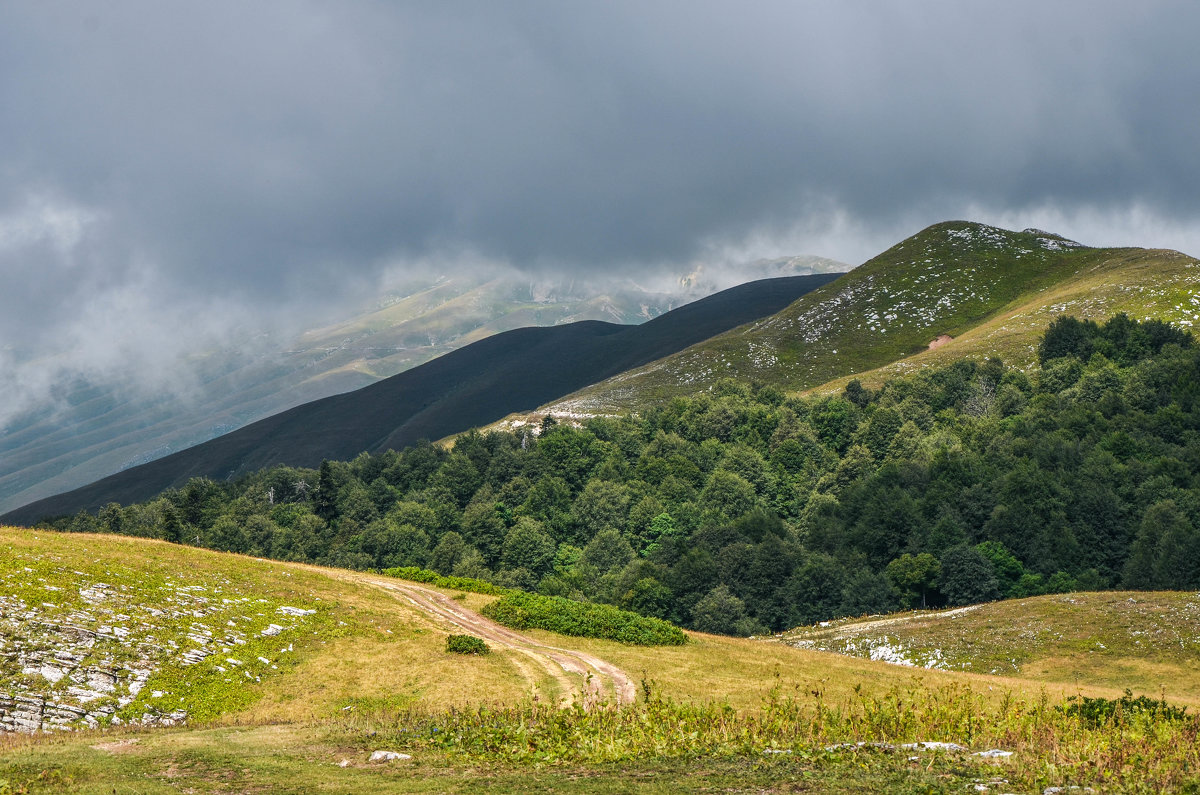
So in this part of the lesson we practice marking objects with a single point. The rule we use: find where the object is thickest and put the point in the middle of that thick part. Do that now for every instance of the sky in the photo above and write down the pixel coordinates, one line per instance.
(182, 175)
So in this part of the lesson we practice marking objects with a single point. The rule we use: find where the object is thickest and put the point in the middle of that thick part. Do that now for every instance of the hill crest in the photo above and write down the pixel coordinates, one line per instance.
(950, 280)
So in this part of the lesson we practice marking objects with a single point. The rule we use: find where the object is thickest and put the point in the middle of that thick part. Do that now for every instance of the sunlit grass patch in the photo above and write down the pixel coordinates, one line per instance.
(1043, 742)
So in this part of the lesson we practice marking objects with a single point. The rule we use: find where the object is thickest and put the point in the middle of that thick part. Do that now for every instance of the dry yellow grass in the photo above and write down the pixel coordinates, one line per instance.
(383, 650)
(378, 654)
(742, 672)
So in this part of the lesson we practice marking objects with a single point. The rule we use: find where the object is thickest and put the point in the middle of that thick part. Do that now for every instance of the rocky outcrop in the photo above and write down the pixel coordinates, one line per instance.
(86, 658)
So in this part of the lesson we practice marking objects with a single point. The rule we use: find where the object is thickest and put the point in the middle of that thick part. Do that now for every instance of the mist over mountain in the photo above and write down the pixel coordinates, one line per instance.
(92, 422)
(480, 383)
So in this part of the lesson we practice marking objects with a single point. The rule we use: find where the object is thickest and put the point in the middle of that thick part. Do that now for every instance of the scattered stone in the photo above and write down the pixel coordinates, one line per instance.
(52, 672)
(933, 746)
(919, 746)
(387, 756)
(993, 753)
(85, 659)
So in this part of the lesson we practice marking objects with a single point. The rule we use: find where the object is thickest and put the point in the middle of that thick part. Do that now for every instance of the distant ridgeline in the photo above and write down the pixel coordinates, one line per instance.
(478, 384)
(741, 510)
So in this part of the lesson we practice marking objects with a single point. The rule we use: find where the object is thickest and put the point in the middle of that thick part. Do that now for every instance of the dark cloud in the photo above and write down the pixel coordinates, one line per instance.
(247, 158)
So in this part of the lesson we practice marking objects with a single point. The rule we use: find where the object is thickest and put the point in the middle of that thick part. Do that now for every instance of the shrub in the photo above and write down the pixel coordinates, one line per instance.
(414, 574)
(466, 644)
(1099, 711)
(581, 619)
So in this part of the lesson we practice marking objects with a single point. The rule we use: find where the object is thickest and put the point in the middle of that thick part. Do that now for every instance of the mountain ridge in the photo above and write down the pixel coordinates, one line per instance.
(466, 388)
(92, 431)
(949, 279)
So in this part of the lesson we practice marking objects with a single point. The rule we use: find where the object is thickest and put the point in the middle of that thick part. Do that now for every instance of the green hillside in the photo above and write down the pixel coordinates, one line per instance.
(993, 291)
(319, 694)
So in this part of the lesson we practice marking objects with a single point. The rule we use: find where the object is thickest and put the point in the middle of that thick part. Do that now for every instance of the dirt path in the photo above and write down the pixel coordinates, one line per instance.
(855, 629)
(577, 673)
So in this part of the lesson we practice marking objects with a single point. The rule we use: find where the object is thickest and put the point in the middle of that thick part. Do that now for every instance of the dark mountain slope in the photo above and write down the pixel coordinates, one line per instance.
(480, 383)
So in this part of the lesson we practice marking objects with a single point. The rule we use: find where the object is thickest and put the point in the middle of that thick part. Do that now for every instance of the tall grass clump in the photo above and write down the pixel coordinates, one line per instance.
(1126, 752)
(521, 610)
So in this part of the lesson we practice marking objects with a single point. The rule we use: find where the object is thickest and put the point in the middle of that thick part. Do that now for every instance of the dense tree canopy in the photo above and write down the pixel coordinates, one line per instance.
(740, 510)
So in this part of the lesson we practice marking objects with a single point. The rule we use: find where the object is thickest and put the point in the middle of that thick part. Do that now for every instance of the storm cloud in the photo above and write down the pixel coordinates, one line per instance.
(170, 171)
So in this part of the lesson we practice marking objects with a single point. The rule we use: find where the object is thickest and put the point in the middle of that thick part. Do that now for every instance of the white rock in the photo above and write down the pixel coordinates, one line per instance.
(51, 672)
(387, 756)
(295, 611)
(101, 680)
(932, 746)
(993, 753)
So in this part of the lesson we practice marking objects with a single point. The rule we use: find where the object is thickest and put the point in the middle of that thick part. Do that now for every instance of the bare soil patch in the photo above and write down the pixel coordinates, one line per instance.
(939, 341)
(599, 677)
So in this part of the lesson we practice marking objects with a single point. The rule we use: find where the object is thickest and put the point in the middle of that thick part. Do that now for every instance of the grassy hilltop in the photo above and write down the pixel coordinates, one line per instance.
(992, 290)
(368, 671)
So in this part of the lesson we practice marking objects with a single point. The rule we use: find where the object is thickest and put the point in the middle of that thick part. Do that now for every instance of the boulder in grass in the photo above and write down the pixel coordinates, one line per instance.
(388, 756)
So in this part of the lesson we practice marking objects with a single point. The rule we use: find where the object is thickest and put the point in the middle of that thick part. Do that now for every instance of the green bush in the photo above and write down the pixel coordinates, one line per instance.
(466, 644)
(414, 574)
(521, 610)
(1099, 711)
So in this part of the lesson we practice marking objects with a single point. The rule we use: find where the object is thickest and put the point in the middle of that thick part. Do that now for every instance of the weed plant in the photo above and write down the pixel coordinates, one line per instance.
(1099, 711)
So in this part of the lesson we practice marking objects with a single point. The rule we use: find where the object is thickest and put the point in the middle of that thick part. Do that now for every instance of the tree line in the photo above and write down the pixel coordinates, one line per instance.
(743, 510)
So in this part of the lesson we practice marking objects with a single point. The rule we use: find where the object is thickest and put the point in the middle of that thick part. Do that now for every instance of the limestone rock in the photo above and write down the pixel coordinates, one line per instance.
(388, 756)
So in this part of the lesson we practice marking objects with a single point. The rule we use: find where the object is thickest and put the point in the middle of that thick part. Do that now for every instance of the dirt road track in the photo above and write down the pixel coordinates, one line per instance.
(577, 673)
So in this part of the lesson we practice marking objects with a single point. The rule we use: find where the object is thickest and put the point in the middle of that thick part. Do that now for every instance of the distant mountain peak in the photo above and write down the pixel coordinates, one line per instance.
(990, 290)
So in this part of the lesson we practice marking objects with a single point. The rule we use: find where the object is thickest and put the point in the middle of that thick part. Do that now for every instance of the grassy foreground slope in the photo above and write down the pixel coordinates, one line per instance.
(367, 671)
(138, 610)
(991, 290)
(149, 629)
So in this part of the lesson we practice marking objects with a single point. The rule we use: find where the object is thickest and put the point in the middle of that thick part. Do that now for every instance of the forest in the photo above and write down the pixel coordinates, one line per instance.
(743, 510)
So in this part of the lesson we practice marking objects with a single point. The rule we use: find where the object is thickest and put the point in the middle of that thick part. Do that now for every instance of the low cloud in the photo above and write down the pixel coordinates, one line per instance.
(180, 177)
